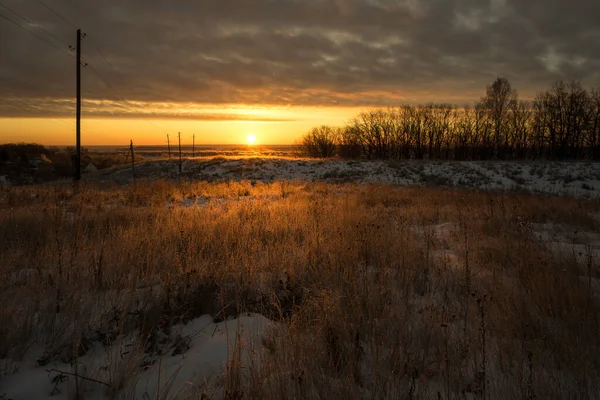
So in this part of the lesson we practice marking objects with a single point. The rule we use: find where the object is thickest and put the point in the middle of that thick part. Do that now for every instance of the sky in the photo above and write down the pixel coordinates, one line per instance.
(222, 69)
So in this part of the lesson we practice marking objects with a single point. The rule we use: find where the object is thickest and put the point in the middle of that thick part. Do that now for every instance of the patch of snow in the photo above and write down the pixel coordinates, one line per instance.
(553, 178)
(182, 371)
(4, 180)
(581, 246)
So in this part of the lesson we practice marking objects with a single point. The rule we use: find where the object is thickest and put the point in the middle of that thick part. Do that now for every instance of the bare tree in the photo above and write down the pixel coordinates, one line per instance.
(320, 142)
(577, 119)
(561, 115)
(593, 136)
(483, 141)
(414, 124)
(563, 122)
(543, 137)
(377, 130)
(349, 142)
(464, 137)
(519, 129)
(498, 100)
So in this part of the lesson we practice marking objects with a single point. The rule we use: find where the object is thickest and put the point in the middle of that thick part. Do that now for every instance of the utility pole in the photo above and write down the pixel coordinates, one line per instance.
(169, 145)
(193, 145)
(179, 135)
(77, 158)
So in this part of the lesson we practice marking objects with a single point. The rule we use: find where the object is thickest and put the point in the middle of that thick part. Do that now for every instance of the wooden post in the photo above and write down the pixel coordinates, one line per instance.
(132, 159)
(194, 145)
(169, 145)
(179, 136)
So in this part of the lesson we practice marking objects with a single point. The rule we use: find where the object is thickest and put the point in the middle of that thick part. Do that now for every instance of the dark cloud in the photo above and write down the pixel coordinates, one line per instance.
(59, 108)
(292, 52)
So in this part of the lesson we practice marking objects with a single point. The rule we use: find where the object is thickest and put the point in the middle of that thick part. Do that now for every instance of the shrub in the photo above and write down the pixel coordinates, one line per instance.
(320, 142)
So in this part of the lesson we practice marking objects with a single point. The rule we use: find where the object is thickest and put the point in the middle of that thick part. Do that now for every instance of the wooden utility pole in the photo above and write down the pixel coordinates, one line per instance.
(169, 145)
(194, 145)
(77, 158)
(179, 136)
(132, 159)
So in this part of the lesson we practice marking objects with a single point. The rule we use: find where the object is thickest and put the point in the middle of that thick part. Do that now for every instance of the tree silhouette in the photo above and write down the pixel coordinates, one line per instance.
(561, 123)
(499, 99)
(320, 142)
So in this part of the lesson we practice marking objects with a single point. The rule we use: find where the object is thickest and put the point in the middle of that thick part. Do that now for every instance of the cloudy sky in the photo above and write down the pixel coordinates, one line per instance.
(225, 67)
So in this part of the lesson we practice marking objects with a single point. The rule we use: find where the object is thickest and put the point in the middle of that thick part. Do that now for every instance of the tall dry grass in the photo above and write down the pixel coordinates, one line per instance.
(385, 292)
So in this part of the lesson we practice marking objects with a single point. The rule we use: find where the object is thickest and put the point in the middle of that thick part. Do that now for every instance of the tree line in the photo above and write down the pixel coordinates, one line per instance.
(561, 123)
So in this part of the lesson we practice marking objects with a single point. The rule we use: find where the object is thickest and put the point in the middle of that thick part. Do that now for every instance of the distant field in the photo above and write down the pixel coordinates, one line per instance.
(112, 164)
(30, 163)
(579, 179)
(201, 150)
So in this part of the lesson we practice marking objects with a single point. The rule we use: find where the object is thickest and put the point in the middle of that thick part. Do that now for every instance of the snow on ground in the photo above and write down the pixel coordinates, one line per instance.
(570, 243)
(4, 181)
(579, 179)
(197, 353)
(194, 362)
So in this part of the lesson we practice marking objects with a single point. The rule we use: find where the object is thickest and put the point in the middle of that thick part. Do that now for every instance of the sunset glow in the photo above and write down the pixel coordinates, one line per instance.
(251, 139)
(277, 68)
(278, 126)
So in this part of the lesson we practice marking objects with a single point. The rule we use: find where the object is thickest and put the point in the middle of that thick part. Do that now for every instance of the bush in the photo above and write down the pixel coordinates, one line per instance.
(320, 142)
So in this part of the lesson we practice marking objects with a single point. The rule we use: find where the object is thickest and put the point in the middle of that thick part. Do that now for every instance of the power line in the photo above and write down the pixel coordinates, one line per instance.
(56, 13)
(111, 87)
(121, 97)
(85, 64)
(37, 36)
(34, 24)
(28, 105)
(58, 118)
(102, 55)
(130, 105)
(59, 15)
(32, 108)
(94, 70)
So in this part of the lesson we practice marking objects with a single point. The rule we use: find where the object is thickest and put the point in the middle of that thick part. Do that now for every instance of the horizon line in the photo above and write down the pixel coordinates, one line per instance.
(165, 145)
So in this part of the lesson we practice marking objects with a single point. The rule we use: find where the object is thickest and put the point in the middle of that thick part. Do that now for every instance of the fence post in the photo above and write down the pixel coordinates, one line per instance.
(179, 136)
(132, 159)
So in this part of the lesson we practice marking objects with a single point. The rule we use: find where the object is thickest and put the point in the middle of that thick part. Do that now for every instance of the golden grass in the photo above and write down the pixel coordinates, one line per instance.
(386, 292)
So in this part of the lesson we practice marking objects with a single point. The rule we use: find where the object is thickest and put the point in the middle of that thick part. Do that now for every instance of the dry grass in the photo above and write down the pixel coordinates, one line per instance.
(385, 292)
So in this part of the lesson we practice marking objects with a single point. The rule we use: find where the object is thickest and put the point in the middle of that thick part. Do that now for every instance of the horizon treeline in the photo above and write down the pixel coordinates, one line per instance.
(561, 123)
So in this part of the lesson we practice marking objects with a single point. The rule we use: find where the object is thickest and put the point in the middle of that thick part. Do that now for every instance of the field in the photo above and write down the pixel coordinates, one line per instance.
(575, 179)
(283, 278)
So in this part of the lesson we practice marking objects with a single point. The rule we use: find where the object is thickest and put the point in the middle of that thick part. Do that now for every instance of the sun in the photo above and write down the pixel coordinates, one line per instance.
(251, 139)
